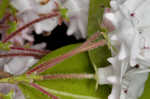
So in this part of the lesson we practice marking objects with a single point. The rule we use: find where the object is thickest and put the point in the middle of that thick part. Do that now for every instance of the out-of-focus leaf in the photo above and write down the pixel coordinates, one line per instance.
(12, 10)
(13, 27)
(5, 46)
(68, 89)
(9, 95)
(3, 6)
(64, 13)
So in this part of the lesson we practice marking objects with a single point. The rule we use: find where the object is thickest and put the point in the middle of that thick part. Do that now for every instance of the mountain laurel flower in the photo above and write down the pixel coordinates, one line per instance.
(33, 9)
(19, 65)
(78, 13)
(128, 24)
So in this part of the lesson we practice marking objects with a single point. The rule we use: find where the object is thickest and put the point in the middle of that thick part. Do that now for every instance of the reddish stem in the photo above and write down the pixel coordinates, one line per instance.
(82, 48)
(30, 50)
(20, 54)
(43, 91)
(52, 63)
(68, 76)
(29, 24)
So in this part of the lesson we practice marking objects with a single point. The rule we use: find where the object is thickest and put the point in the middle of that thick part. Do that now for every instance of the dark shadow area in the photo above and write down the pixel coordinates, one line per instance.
(57, 39)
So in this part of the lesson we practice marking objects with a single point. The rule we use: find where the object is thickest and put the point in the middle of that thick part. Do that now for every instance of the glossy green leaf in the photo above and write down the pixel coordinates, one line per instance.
(13, 27)
(68, 89)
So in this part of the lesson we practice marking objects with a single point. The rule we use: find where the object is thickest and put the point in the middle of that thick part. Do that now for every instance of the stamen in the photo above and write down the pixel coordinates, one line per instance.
(137, 66)
(132, 14)
(126, 91)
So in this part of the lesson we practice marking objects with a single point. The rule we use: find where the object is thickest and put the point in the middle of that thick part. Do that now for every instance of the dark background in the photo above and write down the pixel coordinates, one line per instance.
(57, 39)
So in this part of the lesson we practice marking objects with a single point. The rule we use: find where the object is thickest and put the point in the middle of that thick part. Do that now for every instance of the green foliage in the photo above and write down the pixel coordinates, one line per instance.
(9, 95)
(5, 46)
(3, 6)
(146, 94)
(13, 27)
(64, 13)
(99, 55)
(67, 89)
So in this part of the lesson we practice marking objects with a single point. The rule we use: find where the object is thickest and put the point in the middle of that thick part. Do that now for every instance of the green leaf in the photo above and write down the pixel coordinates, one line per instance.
(9, 95)
(146, 94)
(99, 55)
(96, 11)
(5, 46)
(64, 13)
(68, 89)
(3, 6)
(13, 27)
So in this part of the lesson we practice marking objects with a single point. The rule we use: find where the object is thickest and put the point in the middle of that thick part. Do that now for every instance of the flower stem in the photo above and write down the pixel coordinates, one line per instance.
(69, 76)
(43, 91)
(33, 77)
(20, 54)
(30, 50)
(88, 45)
(51, 15)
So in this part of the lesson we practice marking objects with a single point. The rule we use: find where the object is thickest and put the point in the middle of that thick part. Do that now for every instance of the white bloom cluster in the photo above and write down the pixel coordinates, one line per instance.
(128, 21)
(19, 65)
(32, 9)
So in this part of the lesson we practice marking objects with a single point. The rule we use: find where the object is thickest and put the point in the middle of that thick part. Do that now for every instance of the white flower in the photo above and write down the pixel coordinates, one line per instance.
(127, 82)
(78, 15)
(32, 9)
(113, 75)
(130, 23)
(19, 65)
(132, 85)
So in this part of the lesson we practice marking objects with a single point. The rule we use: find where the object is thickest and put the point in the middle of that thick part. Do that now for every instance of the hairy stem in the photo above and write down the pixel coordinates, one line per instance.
(68, 76)
(51, 15)
(33, 77)
(30, 50)
(20, 54)
(84, 47)
(38, 87)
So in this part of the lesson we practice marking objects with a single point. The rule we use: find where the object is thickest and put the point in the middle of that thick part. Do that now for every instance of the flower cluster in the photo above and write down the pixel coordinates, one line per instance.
(128, 22)
(33, 9)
